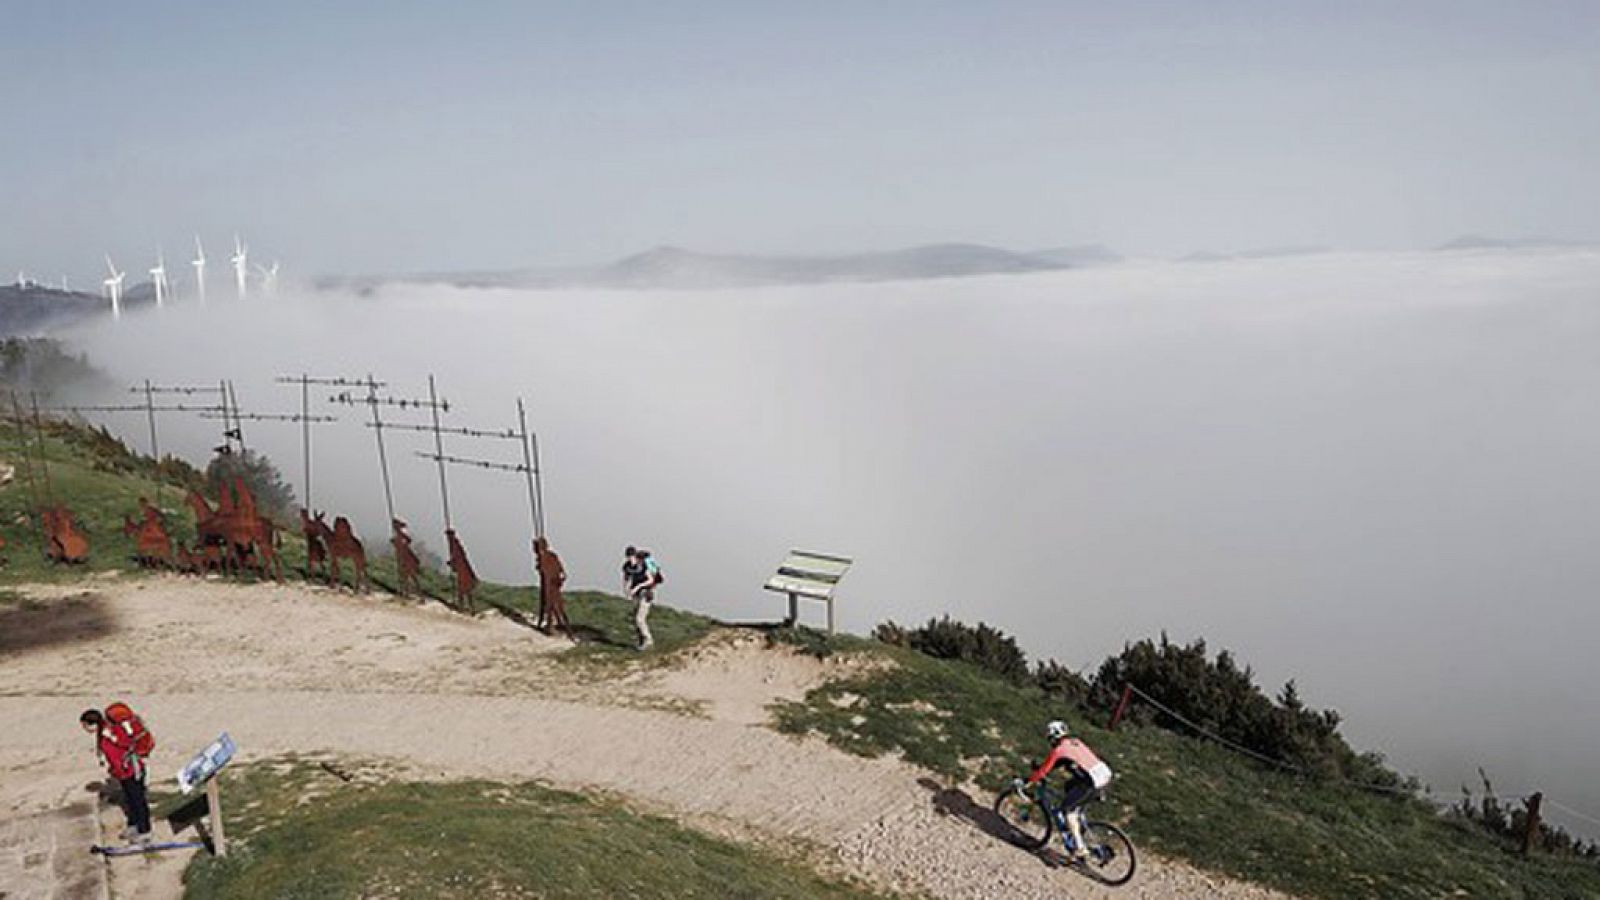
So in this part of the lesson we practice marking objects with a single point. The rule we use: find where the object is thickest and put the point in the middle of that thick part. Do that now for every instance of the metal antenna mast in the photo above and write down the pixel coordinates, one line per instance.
(438, 447)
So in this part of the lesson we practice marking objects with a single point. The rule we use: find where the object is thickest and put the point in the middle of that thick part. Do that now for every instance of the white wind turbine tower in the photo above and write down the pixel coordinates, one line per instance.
(158, 277)
(199, 263)
(114, 288)
(269, 278)
(241, 265)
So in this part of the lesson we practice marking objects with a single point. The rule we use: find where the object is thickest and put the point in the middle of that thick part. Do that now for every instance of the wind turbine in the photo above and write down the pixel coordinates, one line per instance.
(158, 277)
(64, 288)
(114, 288)
(269, 278)
(199, 263)
(241, 264)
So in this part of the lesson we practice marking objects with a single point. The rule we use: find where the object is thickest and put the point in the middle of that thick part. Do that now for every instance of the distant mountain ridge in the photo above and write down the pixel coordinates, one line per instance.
(36, 308)
(1480, 242)
(678, 268)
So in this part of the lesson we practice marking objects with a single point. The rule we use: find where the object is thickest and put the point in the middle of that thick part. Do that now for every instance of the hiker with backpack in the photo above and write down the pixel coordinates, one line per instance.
(123, 743)
(640, 577)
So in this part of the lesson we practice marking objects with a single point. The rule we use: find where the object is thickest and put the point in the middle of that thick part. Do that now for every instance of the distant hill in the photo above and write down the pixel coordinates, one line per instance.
(1079, 255)
(675, 267)
(1480, 242)
(36, 308)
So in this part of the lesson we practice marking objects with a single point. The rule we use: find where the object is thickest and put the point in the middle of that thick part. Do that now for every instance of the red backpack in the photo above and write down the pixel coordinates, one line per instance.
(122, 715)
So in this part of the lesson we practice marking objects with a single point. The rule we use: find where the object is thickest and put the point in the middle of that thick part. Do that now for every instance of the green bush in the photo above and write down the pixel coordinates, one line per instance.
(274, 496)
(1219, 695)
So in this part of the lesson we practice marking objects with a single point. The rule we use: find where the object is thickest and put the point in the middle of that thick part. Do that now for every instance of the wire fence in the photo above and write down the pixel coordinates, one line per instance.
(1440, 801)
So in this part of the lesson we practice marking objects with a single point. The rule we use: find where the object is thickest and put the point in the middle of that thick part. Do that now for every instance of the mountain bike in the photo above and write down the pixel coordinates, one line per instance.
(1034, 815)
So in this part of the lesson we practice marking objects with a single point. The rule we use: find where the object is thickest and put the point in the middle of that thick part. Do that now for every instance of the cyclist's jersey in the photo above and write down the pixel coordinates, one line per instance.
(1078, 753)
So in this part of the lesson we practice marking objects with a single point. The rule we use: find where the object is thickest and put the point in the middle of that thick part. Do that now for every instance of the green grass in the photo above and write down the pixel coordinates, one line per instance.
(98, 491)
(296, 831)
(604, 624)
(1183, 797)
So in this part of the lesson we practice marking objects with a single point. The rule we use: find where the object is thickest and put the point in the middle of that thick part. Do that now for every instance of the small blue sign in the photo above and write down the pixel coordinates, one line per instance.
(207, 763)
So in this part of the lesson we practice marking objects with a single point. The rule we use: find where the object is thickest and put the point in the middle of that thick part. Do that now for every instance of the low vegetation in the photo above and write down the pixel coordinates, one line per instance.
(300, 830)
(1184, 797)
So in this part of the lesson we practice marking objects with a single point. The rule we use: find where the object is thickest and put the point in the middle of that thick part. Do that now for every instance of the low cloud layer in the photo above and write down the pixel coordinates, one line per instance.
(1371, 473)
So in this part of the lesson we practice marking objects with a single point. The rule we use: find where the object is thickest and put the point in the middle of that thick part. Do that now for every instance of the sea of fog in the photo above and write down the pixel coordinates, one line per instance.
(1377, 474)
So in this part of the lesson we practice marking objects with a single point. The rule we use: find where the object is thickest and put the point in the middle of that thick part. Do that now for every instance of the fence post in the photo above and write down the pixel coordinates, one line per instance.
(1122, 706)
(1530, 832)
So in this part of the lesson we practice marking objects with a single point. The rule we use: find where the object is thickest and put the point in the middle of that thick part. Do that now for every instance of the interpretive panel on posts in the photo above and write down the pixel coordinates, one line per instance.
(206, 763)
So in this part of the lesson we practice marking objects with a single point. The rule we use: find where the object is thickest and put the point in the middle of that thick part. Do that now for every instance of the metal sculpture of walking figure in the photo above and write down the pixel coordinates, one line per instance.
(316, 549)
(406, 561)
(552, 576)
(466, 578)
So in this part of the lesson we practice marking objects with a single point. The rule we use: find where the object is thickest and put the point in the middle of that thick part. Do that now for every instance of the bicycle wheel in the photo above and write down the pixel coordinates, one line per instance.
(1028, 822)
(1111, 856)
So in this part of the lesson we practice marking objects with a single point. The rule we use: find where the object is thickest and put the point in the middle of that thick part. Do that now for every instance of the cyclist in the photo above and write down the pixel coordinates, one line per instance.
(1087, 776)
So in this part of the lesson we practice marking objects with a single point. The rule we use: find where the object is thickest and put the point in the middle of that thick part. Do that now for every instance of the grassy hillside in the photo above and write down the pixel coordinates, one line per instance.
(1186, 798)
(300, 831)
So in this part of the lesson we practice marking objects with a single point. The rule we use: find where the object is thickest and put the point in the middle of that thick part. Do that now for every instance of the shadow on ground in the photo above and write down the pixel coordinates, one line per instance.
(957, 802)
(28, 625)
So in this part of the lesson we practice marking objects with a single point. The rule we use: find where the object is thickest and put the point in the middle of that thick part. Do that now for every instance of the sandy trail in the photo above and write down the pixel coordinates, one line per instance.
(295, 670)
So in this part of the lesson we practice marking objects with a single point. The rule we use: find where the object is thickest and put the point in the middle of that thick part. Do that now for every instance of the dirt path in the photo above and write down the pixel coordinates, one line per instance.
(286, 669)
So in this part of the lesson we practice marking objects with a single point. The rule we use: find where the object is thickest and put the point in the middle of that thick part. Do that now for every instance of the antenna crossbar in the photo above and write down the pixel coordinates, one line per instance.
(479, 463)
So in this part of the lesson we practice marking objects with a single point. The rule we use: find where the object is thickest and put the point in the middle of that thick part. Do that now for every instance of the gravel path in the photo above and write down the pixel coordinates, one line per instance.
(483, 699)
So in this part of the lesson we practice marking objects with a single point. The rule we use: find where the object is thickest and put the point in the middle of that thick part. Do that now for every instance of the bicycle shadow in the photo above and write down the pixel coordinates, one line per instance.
(952, 801)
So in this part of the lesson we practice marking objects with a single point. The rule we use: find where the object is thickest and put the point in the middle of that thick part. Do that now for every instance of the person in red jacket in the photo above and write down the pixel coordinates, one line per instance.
(115, 747)
(1087, 776)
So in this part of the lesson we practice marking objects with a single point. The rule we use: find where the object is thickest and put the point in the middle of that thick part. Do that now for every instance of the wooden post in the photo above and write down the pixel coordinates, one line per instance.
(1530, 833)
(830, 614)
(1122, 706)
(794, 611)
(219, 841)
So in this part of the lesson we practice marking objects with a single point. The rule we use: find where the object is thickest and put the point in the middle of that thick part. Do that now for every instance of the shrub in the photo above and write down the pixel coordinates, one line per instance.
(987, 648)
(1222, 697)
(274, 497)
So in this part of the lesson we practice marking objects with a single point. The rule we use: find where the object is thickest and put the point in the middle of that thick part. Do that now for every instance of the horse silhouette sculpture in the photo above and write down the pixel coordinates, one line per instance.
(342, 543)
(405, 559)
(152, 544)
(466, 579)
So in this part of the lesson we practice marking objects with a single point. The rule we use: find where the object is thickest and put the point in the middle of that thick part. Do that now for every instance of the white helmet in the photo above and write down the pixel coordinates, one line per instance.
(1056, 730)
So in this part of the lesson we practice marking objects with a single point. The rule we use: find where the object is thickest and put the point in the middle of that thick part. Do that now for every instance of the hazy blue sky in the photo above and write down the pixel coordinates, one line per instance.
(399, 136)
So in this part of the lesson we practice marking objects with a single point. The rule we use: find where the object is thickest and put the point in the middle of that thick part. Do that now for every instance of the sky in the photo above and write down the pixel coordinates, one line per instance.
(403, 136)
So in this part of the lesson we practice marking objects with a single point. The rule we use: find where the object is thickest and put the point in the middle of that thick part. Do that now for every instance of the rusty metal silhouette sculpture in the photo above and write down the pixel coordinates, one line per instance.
(235, 533)
(152, 544)
(342, 543)
(406, 561)
(466, 579)
(316, 550)
(65, 543)
(552, 575)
